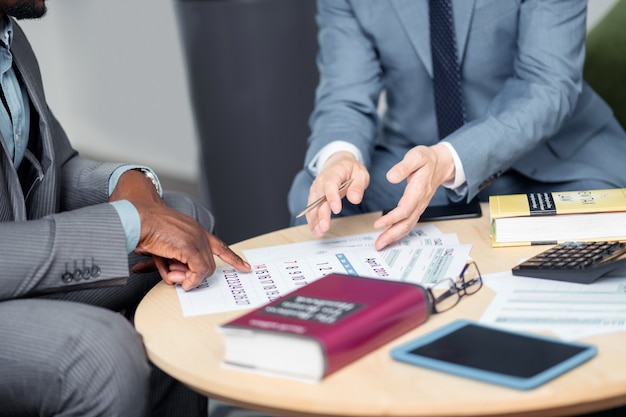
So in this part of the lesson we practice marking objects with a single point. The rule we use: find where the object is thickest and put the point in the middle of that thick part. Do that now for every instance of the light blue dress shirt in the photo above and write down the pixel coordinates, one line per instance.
(15, 126)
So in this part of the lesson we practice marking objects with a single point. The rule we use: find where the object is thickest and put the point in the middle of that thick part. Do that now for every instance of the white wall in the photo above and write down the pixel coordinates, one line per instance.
(115, 77)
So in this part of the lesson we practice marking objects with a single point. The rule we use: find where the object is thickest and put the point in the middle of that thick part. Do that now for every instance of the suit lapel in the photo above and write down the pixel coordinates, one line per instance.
(463, 13)
(35, 94)
(11, 202)
(413, 15)
(12, 207)
(28, 70)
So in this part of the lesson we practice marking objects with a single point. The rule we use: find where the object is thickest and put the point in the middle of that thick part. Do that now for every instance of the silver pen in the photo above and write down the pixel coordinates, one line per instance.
(321, 200)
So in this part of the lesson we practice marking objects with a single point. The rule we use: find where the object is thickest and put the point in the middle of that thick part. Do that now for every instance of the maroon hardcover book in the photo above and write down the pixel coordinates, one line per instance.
(323, 326)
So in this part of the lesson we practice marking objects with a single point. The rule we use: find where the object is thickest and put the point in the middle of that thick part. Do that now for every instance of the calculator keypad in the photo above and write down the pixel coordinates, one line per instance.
(582, 262)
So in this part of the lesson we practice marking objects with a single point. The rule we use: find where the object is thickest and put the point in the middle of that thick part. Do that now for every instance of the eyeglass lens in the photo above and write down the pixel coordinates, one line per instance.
(447, 293)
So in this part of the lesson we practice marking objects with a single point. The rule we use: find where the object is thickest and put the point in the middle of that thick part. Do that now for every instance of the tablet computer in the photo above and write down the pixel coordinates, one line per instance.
(449, 211)
(513, 359)
(452, 211)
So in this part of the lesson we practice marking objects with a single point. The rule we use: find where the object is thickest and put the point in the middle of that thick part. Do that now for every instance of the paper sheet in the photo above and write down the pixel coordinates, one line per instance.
(569, 310)
(277, 270)
(422, 235)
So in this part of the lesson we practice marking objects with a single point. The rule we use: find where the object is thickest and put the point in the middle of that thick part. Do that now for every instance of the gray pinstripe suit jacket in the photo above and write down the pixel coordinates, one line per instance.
(54, 221)
(47, 208)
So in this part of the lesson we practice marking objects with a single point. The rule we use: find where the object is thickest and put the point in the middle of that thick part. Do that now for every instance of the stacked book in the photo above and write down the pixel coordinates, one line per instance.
(550, 218)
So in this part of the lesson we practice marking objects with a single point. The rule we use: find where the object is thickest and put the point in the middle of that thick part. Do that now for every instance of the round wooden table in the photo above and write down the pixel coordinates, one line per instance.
(191, 349)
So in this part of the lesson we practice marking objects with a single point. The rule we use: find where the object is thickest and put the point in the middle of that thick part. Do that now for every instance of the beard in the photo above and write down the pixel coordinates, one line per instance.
(27, 9)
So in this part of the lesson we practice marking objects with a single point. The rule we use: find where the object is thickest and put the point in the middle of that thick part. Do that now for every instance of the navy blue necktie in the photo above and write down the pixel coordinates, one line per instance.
(446, 72)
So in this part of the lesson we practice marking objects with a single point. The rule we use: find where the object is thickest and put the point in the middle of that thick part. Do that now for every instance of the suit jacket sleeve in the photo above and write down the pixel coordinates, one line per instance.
(38, 255)
(539, 96)
(350, 82)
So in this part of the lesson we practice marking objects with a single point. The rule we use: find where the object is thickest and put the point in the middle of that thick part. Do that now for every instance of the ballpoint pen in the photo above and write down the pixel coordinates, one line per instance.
(321, 200)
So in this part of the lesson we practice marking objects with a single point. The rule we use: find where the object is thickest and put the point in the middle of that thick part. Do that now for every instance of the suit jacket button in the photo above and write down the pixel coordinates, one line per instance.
(67, 277)
(78, 274)
(485, 184)
(489, 180)
(95, 271)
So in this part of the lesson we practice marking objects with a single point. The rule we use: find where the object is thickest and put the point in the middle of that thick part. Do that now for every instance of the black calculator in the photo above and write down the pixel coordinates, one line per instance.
(580, 262)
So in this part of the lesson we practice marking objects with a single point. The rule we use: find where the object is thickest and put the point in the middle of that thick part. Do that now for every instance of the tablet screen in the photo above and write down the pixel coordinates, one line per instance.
(497, 351)
(514, 359)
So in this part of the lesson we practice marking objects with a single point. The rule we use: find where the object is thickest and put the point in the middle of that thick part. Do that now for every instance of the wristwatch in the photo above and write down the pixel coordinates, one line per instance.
(153, 179)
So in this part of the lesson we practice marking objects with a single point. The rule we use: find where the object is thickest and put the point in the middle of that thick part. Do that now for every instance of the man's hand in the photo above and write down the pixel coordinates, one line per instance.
(181, 248)
(340, 167)
(425, 169)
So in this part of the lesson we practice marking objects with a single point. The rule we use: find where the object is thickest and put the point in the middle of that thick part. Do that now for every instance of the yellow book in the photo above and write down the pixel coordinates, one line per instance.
(550, 218)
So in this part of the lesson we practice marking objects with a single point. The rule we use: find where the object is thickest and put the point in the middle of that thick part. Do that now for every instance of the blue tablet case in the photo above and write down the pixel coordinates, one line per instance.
(503, 357)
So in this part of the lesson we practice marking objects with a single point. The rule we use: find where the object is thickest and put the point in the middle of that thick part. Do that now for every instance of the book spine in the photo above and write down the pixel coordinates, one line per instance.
(561, 202)
(541, 204)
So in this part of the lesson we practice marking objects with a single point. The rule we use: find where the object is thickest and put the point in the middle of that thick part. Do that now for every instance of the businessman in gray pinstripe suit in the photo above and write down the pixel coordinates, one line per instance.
(81, 241)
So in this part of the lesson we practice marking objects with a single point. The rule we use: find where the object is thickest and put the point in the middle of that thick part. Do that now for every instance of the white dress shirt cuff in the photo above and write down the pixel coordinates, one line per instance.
(322, 156)
(457, 184)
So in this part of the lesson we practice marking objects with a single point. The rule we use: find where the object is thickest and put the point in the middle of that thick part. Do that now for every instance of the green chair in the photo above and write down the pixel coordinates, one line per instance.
(605, 65)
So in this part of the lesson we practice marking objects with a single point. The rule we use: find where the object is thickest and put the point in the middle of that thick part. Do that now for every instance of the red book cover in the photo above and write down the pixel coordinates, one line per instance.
(323, 326)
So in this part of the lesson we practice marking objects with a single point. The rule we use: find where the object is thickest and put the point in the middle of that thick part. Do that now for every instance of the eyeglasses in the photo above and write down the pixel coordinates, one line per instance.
(467, 283)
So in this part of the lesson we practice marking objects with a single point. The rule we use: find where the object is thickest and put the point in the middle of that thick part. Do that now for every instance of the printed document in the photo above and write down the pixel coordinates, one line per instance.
(426, 235)
(426, 256)
(569, 310)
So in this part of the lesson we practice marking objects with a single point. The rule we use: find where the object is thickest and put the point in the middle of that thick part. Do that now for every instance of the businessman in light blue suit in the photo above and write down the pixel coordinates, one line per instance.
(530, 121)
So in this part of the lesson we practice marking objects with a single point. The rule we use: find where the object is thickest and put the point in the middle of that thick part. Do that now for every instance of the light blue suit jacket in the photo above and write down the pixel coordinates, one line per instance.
(527, 105)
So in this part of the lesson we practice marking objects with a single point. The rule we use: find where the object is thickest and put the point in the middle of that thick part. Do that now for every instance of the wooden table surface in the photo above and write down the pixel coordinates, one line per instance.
(191, 349)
